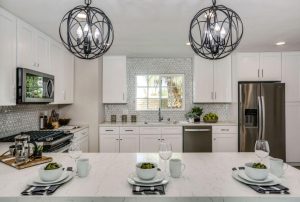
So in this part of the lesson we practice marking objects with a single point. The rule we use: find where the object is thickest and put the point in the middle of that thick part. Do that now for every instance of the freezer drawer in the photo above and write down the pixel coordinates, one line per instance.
(197, 139)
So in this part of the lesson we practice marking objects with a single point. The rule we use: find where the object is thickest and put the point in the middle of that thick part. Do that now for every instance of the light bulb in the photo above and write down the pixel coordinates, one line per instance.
(223, 33)
(86, 28)
(79, 32)
(217, 27)
(97, 33)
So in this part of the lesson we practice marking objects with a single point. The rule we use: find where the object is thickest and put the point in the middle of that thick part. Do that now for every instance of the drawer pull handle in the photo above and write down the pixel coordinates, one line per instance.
(224, 129)
(109, 130)
(197, 130)
(129, 130)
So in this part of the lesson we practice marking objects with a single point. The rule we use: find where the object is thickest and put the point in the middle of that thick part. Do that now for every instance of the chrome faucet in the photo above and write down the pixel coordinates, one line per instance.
(160, 117)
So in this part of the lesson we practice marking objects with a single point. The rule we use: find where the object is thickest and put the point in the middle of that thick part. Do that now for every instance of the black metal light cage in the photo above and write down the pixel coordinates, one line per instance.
(88, 46)
(205, 41)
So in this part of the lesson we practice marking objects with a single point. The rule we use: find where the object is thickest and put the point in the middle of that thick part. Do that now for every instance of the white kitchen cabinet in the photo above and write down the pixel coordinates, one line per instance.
(32, 48)
(7, 58)
(270, 66)
(26, 50)
(203, 82)
(129, 143)
(291, 75)
(292, 132)
(62, 67)
(175, 141)
(225, 139)
(259, 66)
(149, 143)
(212, 80)
(109, 143)
(114, 79)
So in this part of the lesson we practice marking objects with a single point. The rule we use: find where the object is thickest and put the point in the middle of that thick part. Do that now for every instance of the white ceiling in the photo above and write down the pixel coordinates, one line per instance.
(151, 28)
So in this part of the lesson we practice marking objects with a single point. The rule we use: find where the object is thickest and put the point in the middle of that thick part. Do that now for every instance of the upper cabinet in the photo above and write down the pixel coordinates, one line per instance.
(114, 79)
(32, 48)
(62, 67)
(7, 58)
(212, 80)
(259, 66)
(291, 75)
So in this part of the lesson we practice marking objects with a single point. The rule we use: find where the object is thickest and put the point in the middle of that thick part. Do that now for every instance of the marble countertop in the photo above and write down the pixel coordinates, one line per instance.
(163, 124)
(207, 177)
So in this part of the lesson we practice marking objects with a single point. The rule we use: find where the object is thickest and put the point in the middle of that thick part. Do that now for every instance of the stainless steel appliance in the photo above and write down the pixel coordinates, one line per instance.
(197, 139)
(22, 149)
(34, 87)
(52, 141)
(262, 116)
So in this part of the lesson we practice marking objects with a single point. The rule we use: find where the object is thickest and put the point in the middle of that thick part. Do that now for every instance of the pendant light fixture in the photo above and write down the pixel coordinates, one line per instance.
(215, 31)
(86, 31)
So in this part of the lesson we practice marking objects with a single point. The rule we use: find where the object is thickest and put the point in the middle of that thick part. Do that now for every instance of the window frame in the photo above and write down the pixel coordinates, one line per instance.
(160, 90)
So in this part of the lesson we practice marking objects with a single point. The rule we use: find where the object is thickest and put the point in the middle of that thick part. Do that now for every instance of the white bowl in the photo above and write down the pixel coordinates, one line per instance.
(50, 175)
(146, 174)
(256, 173)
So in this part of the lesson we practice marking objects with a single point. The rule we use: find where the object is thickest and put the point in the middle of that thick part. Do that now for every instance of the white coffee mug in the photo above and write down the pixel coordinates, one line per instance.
(277, 166)
(176, 168)
(83, 167)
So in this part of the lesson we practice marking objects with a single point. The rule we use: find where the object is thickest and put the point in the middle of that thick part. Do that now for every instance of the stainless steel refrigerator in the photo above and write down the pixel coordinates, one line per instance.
(262, 116)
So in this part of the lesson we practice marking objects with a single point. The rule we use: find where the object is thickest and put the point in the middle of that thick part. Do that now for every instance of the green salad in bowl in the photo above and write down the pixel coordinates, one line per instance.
(50, 172)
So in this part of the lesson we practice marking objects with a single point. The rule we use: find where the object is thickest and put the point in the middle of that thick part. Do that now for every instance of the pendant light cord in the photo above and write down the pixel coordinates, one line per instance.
(88, 2)
(214, 2)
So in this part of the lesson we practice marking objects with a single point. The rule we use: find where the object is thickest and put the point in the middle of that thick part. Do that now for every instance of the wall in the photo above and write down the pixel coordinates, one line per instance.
(87, 107)
(137, 66)
(21, 118)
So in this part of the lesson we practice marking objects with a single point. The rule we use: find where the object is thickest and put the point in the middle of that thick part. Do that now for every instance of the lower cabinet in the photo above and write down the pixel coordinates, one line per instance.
(225, 139)
(149, 143)
(175, 140)
(129, 143)
(82, 138)
(109, 143)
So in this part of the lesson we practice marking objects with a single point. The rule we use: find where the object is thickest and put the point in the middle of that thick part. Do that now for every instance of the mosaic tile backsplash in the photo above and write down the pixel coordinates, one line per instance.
(136, 66)
(20, 118)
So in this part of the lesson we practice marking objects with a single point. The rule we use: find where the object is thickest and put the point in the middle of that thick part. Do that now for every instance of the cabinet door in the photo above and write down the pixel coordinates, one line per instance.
(129, 143)
(42, 52)
(68, 77)
(175, 141)
(84, 145)
(225, 142)
(57, 69)
(114, 79)
(292, 132)
(222, 80)
(291, 75)
(26, 50)
(270, 66)
(248, 66)
(7, 58)
(203, 86)
(109, 143)
(149, 143)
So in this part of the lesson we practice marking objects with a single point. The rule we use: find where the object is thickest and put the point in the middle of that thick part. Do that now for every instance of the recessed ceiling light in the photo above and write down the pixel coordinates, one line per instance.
(188, 43)
(81, 15)
(280, 43)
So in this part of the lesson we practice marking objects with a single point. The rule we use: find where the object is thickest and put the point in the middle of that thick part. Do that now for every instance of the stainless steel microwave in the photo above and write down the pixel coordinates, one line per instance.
(34, 86)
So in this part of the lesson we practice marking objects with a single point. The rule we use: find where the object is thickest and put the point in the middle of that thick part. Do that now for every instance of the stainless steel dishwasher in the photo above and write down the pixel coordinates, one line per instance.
(197, 139)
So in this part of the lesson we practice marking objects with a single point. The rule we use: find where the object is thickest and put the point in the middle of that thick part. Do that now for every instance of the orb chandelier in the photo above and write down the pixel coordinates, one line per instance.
(86, 31)
(215, 32)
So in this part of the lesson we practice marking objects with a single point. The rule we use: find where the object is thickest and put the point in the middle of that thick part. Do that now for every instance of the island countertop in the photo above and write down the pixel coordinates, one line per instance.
(207, 177)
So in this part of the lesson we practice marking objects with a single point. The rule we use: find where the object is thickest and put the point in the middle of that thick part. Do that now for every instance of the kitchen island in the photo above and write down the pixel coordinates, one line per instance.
(207, 177)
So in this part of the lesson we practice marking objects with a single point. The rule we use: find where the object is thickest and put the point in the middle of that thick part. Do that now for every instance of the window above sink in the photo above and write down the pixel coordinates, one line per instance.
(165, 91)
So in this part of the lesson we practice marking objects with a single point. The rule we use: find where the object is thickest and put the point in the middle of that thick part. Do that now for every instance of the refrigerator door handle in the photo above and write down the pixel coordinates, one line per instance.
(259, 118)
(263, 117)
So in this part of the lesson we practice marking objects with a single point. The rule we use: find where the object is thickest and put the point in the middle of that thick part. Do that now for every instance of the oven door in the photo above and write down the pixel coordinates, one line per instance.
(34, 87)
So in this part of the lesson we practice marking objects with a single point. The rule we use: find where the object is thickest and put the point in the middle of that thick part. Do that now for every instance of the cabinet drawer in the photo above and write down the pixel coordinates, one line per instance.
(171, 130)
(129, 130)
(109, 130)
(150, 130)
(225, 129)
(81, 133)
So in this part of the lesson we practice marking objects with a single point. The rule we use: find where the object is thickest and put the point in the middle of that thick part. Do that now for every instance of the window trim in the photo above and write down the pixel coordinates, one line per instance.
(160, 88)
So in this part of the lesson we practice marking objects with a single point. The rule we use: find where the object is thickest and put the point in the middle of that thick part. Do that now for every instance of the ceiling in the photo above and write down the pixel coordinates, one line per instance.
(159, 28)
